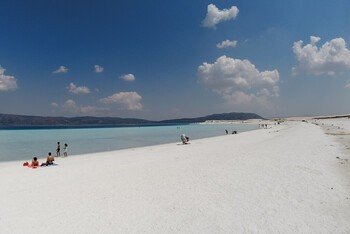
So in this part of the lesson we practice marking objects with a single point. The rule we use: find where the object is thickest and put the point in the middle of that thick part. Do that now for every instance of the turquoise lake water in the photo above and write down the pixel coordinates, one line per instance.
(26, 143)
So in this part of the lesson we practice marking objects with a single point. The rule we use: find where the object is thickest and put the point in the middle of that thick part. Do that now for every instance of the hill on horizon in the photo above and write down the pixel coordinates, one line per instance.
(27, 120)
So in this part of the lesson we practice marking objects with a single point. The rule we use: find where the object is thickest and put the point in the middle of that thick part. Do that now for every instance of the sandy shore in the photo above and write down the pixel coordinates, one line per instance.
(248, 121)
(285, 179)
(339, 128)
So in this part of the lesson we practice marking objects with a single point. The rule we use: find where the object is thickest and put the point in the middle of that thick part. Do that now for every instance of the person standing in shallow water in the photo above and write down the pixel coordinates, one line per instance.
(58, 149)
(65, 149)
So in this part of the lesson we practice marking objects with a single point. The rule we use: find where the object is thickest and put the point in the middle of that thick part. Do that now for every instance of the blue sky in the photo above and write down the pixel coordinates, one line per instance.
(171, 59)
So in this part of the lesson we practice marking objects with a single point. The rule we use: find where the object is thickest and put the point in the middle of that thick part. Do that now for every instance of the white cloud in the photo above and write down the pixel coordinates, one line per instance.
(98, 69)
(71, 107)
(330, 58)
(215, 16)
(78, 90)
(226, 44)
(61, 69)
(127, 100)
(239, 81)
(314, 40)
(127, 77)
(347, 86)
(238, 98)
(7, 83)
(54, 104)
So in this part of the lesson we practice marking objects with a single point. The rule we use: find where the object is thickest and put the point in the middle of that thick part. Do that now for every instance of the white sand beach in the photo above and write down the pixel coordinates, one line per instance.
(286, 179)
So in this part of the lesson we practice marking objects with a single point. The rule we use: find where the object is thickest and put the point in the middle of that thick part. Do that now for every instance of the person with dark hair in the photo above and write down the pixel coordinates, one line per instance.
(65, 149)
(58, 149)
(49, 160)
(34, 164)
(185, 139)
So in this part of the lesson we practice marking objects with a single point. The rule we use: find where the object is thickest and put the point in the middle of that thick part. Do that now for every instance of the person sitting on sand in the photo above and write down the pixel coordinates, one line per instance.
(185, 139)
(34, 164)
(49, 160)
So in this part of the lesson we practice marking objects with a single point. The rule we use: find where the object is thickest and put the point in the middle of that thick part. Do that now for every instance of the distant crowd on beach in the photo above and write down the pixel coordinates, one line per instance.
(50, 158)
(263, 126)
(233, 132)
(267, 126)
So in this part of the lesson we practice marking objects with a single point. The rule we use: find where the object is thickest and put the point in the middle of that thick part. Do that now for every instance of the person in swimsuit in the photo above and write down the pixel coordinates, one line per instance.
(185, 139)
(34, 164)
(65, 149)
(49, 160)
(58, 149)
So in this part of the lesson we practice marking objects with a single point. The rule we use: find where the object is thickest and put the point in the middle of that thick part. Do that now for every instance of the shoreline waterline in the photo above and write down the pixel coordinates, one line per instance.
(25, 144)
(133, 149)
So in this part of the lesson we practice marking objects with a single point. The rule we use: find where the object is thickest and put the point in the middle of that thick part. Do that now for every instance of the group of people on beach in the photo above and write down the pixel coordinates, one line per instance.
(263, 126)
(233, 132)
(50, 158)
(58, 149)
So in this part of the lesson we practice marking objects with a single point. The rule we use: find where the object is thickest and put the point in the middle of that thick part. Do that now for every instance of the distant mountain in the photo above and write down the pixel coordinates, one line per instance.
(25, 120)
(223, 116)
